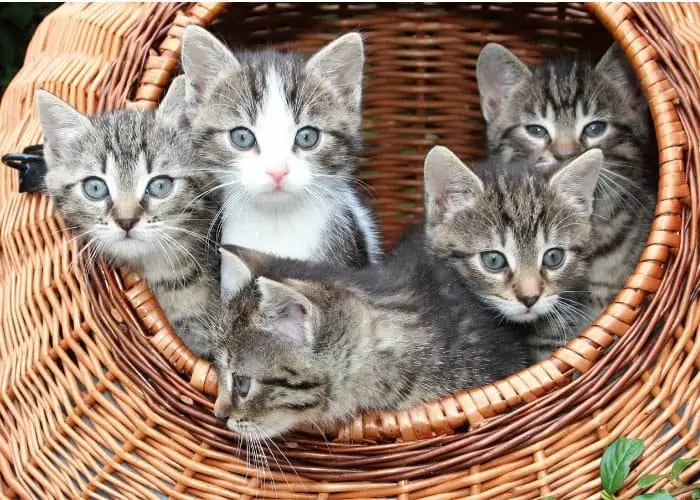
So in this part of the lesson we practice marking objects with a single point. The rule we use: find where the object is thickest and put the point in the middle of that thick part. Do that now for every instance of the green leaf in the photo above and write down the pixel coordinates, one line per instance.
(615, 465)
(657, 495)
(680, 465)
(607, 496)
(649, 479)
(695, 495)
(548, 497)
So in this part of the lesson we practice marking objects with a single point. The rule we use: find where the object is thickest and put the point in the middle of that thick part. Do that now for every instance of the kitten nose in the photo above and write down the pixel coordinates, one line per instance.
(126, 224)
(529, 299)
(564, 148)
(278, 174)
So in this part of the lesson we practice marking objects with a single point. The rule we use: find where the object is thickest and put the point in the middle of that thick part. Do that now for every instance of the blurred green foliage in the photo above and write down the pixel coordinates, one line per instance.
(17, 24)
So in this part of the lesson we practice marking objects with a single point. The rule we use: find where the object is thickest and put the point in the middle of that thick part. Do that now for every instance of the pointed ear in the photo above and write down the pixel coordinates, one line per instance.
(578, 179)
(449, 184)
(498, 71)
(287, 312)
(203, 58)
(235, 275)
(61, 123)
(172, 108)
(617, 68)
(342, 62)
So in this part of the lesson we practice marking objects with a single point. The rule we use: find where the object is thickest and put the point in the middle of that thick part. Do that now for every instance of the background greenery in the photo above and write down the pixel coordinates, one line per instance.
(17, 24)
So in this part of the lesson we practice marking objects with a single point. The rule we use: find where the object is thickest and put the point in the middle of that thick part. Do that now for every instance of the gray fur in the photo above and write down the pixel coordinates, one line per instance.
(168, 245)
(565, 94)
(227, 91)
(514, 209)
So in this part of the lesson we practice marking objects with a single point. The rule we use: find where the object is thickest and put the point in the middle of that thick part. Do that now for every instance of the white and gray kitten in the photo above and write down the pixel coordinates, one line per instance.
(547, 115)
(282, 135)
(126, 183)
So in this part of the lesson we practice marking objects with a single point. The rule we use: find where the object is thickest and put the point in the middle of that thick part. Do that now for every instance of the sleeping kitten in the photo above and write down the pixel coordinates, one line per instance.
(312, 343)
(520, 240)
(282, 135)
(548, 115)
(125, 182)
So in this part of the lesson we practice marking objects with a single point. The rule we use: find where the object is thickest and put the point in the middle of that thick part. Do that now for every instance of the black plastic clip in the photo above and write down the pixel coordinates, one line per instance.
(31, 166)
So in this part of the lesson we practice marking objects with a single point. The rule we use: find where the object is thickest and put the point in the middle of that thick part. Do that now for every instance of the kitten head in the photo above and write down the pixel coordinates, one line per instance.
(125, 181)
(548, 115)
(276, 128)
(518, 239)
(278, 362)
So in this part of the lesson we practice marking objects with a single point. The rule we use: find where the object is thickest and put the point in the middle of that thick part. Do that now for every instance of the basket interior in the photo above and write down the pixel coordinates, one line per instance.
(420, 86)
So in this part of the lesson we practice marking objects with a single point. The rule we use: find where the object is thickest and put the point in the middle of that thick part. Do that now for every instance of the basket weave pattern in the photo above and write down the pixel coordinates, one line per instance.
(98, 396)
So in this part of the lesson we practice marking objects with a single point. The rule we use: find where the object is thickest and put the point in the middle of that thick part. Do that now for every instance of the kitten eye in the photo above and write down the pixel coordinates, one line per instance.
(307, 137)
(456, 254)
(494, 261)
(241, 385)
(242, 138)
(553, 258)
(536, 131)
(160, 187)
(594, 129)
(95, 188)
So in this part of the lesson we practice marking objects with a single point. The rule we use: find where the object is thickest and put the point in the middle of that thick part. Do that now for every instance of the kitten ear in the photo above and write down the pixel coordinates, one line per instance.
(578, 179)
(203, 58)
(61, 123)
(342, 62)
(288, 312)
(619, 71)
(449, 184)
(172, 107)
(235, 275)
(498, 71)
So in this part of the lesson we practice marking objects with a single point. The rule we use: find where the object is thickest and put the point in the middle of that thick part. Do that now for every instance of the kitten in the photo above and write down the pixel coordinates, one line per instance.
(282, 136)
(125, 182)
(303, 343)
(562, 107)
(519, 239)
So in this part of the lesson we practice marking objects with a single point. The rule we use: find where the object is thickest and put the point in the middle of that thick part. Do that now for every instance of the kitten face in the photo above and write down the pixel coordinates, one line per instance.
(276, 128)
(518, 239)
(125, 181)
(549, 115)
(276, 369)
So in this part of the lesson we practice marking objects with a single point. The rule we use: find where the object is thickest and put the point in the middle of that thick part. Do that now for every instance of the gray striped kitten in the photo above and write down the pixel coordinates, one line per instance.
(519, 239)
(549, 114)
(281, 134)
(312, 344)
(125, 182)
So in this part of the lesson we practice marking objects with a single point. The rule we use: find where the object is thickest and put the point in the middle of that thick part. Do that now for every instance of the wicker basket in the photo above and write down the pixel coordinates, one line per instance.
(99, 398)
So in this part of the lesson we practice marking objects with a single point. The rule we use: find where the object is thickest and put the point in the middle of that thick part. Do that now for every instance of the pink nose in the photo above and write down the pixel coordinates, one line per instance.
(278, 174)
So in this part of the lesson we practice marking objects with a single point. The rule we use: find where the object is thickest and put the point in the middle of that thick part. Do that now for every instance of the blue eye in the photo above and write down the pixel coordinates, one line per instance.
(494, 261)
(241, 385)
(307, 137)
(595, 129)
(553, 258)
(243, 138)
(536, 131)
(160, 187)
(95, 188)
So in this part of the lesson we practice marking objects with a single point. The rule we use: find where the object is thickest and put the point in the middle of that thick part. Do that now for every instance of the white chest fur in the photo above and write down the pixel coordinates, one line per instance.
(297, 232)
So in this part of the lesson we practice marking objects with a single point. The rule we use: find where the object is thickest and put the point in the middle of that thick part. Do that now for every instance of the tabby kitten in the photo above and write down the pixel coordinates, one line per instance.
(562, 107)
(519, 239)
(125, 182)
(282, 136)
(304, 343)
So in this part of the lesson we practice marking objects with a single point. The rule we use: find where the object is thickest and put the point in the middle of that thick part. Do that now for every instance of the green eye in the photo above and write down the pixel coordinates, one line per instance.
(243, 138)
(536, 131)
(595, 129)
(494, 261)
(307, 137)
(95, 188)
(553, 258)
(160, 187)
(241, 385)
